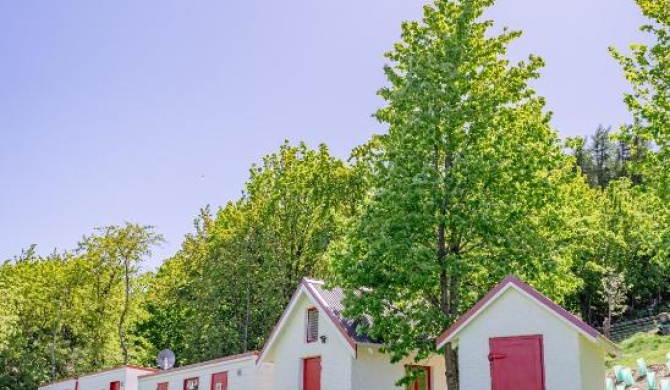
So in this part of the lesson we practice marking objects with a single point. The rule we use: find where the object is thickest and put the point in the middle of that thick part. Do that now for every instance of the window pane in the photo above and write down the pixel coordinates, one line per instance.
(422, 379)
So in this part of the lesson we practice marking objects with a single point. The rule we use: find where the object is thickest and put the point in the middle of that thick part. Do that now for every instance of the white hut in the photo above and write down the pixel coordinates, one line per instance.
(517, 339)
(237, 372)
(64, 384)
(117, 378)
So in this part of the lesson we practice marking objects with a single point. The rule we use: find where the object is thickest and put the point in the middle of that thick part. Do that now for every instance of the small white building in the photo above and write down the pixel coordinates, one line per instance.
(517, 339)
(313, 347)
(238, 372)
(117, 378)
(64, 384)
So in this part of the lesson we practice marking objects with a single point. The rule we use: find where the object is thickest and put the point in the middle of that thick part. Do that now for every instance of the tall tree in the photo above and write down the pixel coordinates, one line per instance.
(602, 151)
(116, 254)
(465, 179)
(647, 68)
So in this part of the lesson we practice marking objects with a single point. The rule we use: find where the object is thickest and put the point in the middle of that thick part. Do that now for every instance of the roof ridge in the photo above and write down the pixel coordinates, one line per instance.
(313, 280)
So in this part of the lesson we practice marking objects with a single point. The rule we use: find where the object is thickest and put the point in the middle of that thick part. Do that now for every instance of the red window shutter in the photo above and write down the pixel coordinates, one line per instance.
(219, 381)
(312, 325)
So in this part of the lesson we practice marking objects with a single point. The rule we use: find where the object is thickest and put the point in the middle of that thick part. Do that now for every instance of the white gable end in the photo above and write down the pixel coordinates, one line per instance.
(515, 314)
(291, 347)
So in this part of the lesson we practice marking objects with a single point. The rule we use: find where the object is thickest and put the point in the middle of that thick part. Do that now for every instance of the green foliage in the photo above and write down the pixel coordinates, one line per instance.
(622, 234)
(470, 183)
(647, 68)
(66, 312)
(239, 270)
(649, 346)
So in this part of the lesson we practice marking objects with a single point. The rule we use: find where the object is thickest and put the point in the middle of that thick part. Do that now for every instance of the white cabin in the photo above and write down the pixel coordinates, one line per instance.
(313, 347)
(238, 372)
(117, 378)
(516, 338)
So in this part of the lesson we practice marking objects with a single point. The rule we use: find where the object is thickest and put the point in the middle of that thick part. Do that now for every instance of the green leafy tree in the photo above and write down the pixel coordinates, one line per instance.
(647, 68)
(115, 255)
(228, 285)
(622, 235)
(466, 181)
(173, 292)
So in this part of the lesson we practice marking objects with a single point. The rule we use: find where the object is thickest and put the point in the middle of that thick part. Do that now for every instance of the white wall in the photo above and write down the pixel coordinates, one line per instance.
(373, 370)
(265, 376)
(60, 385)
(241, 375)
(100, 381)
(514, 314)
(291, 348)
(132, 376)
(592, 365)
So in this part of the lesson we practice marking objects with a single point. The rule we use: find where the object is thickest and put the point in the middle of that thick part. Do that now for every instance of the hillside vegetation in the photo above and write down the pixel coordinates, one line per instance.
(649, 346)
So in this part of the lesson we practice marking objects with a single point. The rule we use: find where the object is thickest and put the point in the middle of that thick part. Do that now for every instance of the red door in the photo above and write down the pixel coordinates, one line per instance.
(517, 363)
(220, 381)
(115, 385)
(311, 374)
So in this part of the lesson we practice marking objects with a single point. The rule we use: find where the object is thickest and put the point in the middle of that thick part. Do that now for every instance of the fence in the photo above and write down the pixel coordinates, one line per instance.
(625, 329)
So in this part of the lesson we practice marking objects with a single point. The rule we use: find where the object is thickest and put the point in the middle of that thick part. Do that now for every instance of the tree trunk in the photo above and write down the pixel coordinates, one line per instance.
(124, 313)
(447, 282)
(451, 366)
(245, 345)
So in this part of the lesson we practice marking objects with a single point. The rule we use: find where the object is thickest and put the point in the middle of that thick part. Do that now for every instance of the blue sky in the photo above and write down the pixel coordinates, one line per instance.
(145, 111)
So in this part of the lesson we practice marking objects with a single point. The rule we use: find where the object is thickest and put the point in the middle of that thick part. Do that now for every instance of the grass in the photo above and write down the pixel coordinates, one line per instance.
(649, 346)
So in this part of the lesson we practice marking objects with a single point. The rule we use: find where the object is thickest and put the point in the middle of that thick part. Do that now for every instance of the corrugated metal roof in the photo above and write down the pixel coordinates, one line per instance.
(334, 298)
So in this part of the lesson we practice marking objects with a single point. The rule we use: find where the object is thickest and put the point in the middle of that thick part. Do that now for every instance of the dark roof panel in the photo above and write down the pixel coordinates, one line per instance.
(334, 298)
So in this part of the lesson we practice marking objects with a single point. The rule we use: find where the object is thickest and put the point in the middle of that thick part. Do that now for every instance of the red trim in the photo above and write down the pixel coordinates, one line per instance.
(76, 384)
(415, 384)
(513, 280)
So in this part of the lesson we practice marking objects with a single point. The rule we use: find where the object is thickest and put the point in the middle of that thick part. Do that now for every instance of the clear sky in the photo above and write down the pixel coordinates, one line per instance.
(145, 111)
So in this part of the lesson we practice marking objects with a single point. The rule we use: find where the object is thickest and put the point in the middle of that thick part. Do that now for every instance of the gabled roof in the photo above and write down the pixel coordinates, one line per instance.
(329, 301)
(512, 281)
(226, 359)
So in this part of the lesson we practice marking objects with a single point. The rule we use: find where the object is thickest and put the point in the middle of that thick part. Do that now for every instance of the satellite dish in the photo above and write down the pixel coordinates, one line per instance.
(165, 359)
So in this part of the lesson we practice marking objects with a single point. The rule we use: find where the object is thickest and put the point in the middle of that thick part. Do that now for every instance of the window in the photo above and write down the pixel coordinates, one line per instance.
(219, 381)
(422, 380)
(162, 386)
(191, 384)
(312, 325)
(115, 385)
